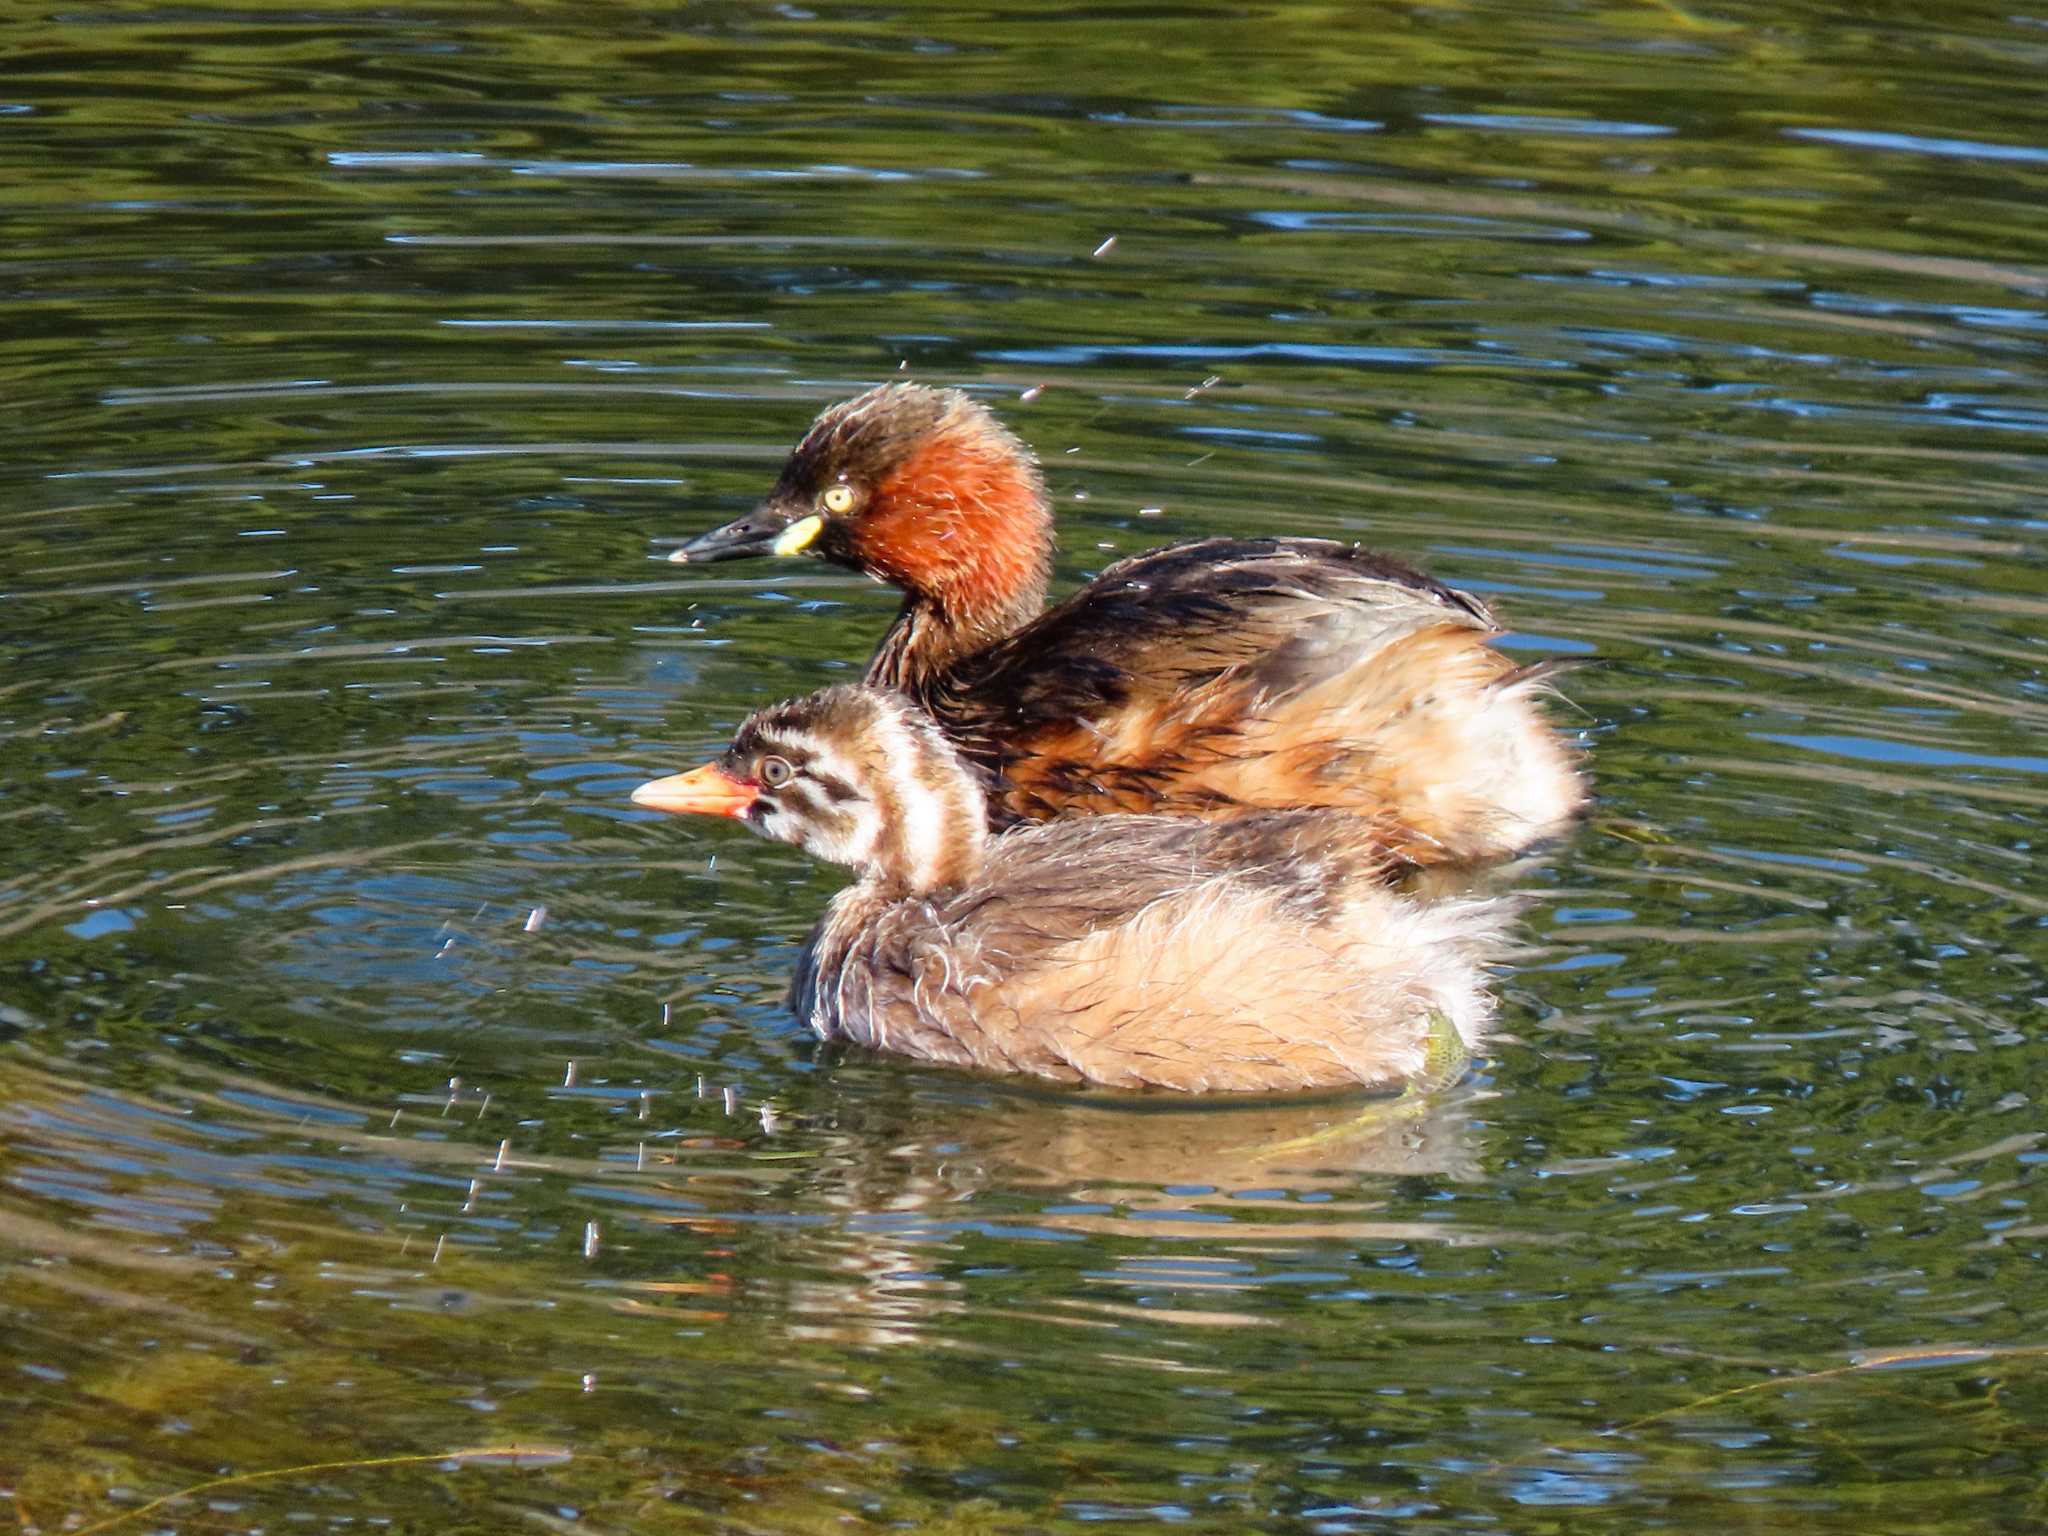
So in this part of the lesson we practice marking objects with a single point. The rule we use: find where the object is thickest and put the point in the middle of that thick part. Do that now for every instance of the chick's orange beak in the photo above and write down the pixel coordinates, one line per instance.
(706, 791)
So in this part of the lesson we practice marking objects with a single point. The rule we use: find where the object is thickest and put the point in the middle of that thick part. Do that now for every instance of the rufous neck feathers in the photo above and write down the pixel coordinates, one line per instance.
(960, 522)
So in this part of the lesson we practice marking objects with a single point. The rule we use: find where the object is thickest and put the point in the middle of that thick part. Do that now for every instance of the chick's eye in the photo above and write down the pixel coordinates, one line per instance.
(776, 772)
(839, 498)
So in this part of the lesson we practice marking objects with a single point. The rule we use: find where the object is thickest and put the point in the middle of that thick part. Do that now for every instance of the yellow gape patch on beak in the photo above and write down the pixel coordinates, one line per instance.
(797, 537)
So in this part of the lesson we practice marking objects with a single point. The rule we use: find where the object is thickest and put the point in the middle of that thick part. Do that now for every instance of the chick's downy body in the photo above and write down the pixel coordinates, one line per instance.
(1265, 952)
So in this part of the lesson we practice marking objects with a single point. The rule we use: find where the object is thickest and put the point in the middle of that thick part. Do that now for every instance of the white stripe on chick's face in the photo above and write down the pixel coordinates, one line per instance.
(827, 808)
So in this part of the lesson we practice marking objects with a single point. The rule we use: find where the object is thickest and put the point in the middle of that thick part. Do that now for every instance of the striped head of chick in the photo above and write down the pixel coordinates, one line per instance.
(854, 776)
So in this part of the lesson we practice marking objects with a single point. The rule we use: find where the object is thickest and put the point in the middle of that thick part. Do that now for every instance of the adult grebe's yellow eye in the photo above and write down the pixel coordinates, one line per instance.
(839, 498)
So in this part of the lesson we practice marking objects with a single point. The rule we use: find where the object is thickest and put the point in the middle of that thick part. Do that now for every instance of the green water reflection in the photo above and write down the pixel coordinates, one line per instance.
(376, 1085)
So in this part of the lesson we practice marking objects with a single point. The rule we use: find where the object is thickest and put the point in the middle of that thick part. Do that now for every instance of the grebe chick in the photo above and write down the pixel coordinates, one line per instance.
(1259, 954)
(1216, 678)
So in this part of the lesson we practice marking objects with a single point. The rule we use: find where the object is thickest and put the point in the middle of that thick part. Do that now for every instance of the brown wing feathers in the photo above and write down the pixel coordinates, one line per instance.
(1232, 675)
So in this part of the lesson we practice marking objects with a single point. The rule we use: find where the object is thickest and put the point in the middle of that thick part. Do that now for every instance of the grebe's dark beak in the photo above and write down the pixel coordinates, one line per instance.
(706, 791)
(762, 531)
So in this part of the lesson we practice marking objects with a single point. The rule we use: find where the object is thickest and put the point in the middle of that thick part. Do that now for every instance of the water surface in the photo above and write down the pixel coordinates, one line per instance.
(377, 1086)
